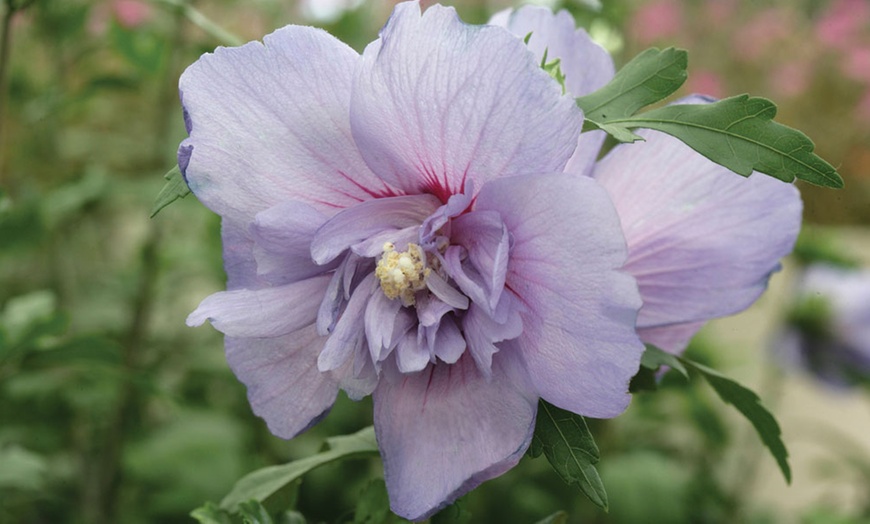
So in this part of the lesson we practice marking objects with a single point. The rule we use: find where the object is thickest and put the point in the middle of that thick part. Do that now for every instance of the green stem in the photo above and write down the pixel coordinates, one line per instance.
(198, 19)
(5, 45)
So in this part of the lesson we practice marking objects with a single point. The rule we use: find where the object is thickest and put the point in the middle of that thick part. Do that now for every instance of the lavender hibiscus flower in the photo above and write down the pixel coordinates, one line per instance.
(399, 224)
(829, 332)
(702, 240)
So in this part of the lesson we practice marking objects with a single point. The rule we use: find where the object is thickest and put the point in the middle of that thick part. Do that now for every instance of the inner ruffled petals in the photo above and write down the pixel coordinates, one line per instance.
(408, 299)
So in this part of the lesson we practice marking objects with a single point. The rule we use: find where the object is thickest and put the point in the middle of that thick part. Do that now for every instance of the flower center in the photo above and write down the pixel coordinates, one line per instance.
(402, 273)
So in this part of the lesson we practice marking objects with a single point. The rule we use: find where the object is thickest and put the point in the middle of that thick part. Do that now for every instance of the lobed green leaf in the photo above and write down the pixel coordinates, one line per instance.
(748, 403)
(653, 358)
(253, 512)
(263, 483)
(649, 77)
(173, 189)
(373, 506)
(739, 133)
(564, 438)
(560, 517)
(211, 514)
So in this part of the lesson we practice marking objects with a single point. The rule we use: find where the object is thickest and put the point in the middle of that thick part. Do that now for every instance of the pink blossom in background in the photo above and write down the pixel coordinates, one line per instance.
(762, 31)
(842, 22)
(790, 79)
(656, 21)
(856, 64)
(131, 13)
(719, 12)
(706, 82)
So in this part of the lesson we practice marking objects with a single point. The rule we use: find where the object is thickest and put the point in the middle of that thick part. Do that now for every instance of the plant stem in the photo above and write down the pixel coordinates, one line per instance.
(5, 44)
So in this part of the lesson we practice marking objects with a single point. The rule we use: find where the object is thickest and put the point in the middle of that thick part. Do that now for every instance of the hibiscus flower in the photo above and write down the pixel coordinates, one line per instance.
(399, 223)
(829, 332)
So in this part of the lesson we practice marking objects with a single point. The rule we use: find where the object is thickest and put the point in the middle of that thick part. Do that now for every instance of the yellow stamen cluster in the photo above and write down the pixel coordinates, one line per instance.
(402, 273)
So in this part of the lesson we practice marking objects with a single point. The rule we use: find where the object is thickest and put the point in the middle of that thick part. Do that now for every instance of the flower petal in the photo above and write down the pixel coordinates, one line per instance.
(578, 338)
(267, 312)
(487, 241)
(703, 241)
(271, 123)
(349, 333)
(447, 429)
(357, 223)
(284, 386)
(586, 65)
(283, 235)
(438, 103)
(240, 263)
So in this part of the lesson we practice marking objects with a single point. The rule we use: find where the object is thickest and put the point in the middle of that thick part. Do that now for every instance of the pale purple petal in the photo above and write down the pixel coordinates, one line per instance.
(283, 235)
(586, 65)
(578, 338)
(672, 338)
(411, 355)
(438, 103)
(447, 342)
(445, 430)
(270, 123)
(349, 333)
(482, 333)
(381, 317)
(466, 276)
(448, 294)
(284, 386)
(267, 312)
(703, 241)
(361, 221)
(486, 239)
(240, 263)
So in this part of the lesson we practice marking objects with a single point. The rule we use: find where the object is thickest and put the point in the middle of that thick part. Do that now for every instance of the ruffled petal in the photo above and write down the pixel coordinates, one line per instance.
(271, 122)
(703, 241)
(240, 263)
(447, 429)
(578, 339)
(487, 241)
(267, 312)
(358, 223)
(284, 386)
(586, 65)
(283, 235)
(438, 103)
(348, 337)
(672, 338)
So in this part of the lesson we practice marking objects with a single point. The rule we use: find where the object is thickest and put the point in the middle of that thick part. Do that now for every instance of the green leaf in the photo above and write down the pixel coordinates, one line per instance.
(748, 403)
(291, 517)
(211, 514)
(265, 482)
(564, 438)
(22, 469)
(253, 512)
(374, 504)
(649, 77)
(739, 133)
(560, 517)
(653, 358)
(174, 189)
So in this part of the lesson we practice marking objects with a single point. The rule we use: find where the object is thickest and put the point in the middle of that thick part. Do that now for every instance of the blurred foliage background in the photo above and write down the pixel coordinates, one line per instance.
(111, 410)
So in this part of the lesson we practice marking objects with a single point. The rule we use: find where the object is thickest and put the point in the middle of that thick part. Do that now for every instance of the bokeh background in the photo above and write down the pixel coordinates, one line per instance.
(111, 410)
